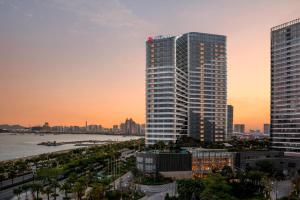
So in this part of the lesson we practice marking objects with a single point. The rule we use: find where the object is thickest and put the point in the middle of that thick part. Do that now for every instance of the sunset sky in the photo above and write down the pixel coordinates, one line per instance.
(71, 61)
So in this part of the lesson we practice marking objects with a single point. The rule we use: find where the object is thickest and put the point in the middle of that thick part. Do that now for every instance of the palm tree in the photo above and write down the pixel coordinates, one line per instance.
(36, 187)
(17, 191)
(25, 189)
(11, 175)
(65, 187)
(55, 184)
(79, 188)
(2, 177)
(48, 191)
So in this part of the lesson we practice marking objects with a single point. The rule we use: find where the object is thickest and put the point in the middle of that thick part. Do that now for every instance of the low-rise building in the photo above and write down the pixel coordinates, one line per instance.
(163, 161)
(286, 164)
(199, 162)
(204, 161)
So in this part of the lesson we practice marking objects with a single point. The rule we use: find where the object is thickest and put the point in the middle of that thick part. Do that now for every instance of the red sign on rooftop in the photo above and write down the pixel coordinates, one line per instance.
(150, 40)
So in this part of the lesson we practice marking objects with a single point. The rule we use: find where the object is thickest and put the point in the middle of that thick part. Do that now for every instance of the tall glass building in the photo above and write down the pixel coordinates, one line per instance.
(186, 88)
(207, 86)
(166, 91)
(285, 86)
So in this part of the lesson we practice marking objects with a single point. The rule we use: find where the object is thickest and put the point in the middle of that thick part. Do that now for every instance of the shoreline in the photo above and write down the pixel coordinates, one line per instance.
(75, 143)
(54, 152)
(74, 133)
(32, 156)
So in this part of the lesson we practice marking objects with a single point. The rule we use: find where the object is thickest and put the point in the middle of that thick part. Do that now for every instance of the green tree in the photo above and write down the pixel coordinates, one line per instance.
(54, 184)
(227, 172)
(97, 192)
(265, 166)
(216, 188)
(2, 177)
(49, 174)
(12, 174)
(25, 189)
(48, 191)
(186, 188)
(17, 192)
(79, 188)
(160, 145)
(21, 165)
(66, 188)
(36, 188)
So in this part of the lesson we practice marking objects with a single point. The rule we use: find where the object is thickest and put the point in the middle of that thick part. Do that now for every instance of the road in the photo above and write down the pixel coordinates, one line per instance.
(17, 180)
(8, 193)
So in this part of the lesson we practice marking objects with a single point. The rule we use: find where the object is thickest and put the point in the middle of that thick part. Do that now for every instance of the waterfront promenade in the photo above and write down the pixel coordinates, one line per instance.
(104, 162)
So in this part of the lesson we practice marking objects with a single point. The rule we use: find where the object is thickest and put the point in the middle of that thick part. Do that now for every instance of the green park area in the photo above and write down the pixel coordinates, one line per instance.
(86, 173)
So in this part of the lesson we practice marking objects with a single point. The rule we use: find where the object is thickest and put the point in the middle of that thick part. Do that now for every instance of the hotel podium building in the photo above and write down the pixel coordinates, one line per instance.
(285, 86)
(186, 87)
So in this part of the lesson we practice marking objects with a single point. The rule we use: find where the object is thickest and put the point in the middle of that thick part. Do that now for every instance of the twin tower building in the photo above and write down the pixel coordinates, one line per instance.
(186, 87)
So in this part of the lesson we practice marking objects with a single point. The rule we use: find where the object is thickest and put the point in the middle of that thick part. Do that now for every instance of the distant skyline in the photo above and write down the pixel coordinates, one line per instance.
(71, 61)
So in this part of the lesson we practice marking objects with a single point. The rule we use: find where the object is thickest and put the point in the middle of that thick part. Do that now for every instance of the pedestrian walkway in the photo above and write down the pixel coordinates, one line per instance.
(123, 181)
(157, 192)
(281, 189)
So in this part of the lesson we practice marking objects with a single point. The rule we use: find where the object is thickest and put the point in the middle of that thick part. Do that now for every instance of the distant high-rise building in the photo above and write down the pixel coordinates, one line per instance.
(115, 129)
(57, 129)
(129, 127)
(251, 131)
(229, 121)
(239, 128)
(93, 128)
(142, 129)
(267, 129)
(186, 90)
(285, 86)
(46, 127)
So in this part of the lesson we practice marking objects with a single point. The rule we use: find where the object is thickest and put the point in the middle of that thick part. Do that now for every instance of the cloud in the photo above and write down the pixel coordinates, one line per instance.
(102, 14)
(16, 6)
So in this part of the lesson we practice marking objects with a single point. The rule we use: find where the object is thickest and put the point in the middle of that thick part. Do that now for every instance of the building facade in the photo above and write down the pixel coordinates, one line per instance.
(266, 129)
(205, 161)
(166, 88)
(286, 164)
(130, 127)
(159, 161)
(199, 162)
(239, 128)
(285, 86)
(186, 87)
(229, 121)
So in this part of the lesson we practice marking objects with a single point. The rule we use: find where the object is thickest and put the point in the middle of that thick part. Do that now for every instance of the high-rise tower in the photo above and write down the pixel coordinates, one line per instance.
(285, 86)
(186, 87)
(207, 86)
(166, 98)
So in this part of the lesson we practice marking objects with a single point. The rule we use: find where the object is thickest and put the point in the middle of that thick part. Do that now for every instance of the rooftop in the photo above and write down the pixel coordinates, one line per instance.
(285, 24)
(182, 151)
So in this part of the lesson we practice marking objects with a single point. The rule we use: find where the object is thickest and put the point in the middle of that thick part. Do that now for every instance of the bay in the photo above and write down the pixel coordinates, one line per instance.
(13, 146)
